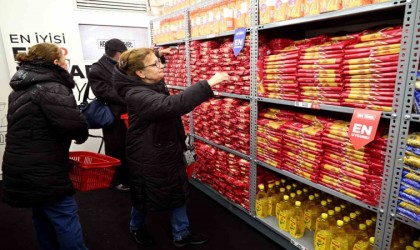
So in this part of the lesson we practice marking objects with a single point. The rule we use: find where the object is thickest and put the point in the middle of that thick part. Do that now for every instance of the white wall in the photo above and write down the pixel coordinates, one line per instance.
(58, 17)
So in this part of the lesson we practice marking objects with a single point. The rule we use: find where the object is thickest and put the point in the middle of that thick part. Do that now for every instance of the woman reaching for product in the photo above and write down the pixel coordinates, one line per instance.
(155, 142)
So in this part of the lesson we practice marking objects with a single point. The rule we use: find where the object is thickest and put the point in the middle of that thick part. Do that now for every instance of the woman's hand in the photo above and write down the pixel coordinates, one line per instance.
(218, 78)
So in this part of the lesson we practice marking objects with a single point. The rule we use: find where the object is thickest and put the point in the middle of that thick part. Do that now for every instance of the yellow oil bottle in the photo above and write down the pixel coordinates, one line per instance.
(339, 239)
(370, 227)
(261, 202)
(281, 195)
(416, 245)
(323, 235)
(311, 213)
(331, 218)
(297, 224)
(284, 214)
(371, 242)
(271, 200)
(351, 234)
(362, 238)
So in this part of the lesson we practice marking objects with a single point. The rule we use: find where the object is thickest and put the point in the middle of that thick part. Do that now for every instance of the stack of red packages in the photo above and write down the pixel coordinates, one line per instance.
(200, 60)
(208, 58)
(320, 72)
(278, 74)
(302, 147)
(224, 121)
(350, 171)
(377, 152)
(175, 67)
(236, 67)
(370, 69)
(185, 118)
(269, 135)
(226, 173)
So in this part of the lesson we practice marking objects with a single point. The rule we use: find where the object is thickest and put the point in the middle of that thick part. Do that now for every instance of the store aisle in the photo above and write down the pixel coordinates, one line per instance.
(105, 214)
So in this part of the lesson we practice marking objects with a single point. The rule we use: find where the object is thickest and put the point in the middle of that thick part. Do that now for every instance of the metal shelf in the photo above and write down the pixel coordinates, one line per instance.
(226, 33)
(176, 87)
(408, 221)
(309, 105)
(318, 186)
(333, 14)
(415, 118)
(222, 147)
(306, 242)
(243, 97)
(171, 42)
(244, 215)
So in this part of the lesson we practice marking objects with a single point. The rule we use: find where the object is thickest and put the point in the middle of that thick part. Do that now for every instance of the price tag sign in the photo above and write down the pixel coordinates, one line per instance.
(363, 126)
(238, 40)
(215, 93)
(299, 246)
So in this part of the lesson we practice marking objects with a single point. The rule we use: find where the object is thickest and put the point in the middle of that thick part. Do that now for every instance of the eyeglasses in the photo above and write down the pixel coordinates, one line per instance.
(156, 64)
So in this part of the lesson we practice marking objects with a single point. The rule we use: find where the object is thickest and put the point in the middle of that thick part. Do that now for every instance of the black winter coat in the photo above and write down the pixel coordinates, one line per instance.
(155, 140)
(42, 120)
(99, 76)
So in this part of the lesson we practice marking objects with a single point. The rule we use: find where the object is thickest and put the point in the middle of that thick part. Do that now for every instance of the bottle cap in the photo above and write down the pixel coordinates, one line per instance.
(282, 190)
(286, 197)
(261, 186)
(299, 192)
(362, 226)
(353, 215)
(369, 223)
(330, 212)
(298, 203)
(340, 223)
(311, 197)
(271, 185)
(277, 183)
(323, 203)
(292, 195)
(324, 216)
(372, 240)
(346, 219)
(337, 209)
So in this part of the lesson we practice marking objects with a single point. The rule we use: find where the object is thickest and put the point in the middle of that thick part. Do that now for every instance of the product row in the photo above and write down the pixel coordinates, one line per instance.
(228, 15)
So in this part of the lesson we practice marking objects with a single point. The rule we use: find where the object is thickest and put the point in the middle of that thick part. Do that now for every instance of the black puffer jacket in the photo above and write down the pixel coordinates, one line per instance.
(42, 120)
(155, 140)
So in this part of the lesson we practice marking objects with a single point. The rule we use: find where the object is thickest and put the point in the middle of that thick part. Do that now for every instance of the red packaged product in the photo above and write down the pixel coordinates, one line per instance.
(388, 41)
(371, 54)
(318, 66)
(373, 59)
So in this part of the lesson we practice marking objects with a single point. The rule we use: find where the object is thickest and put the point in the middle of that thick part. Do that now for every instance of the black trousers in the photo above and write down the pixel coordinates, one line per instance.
(114, 138)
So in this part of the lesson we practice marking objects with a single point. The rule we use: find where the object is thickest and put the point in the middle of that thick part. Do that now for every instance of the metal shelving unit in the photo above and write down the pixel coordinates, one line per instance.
(400, 118)
(181, 41)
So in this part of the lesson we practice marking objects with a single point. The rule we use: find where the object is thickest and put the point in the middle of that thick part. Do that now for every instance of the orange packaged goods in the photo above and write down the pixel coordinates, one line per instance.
(280, 10)
(355, 3)
(330, 5)
(311, 7)
(295, 9)
(91, 170)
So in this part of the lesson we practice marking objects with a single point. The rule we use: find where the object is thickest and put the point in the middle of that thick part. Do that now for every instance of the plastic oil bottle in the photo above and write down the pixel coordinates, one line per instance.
(370, 227)
(297, 224)
(362, 238)
(331, 219)
(371, 242)
(311, 213)
(282, 192)
(323, 235)
(323, 207)
(271, 200)
(351, 234)
(261, 204)
(284, 214)
(288, 189)
(339, 239)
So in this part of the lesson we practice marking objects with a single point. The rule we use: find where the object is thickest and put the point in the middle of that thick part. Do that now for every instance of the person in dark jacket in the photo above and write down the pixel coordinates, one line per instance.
(43, 119)
(99, 77)
(155, 142)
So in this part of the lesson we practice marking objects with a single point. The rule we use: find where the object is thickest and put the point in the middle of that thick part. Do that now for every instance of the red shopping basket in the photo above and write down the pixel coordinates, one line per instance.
(91, 170)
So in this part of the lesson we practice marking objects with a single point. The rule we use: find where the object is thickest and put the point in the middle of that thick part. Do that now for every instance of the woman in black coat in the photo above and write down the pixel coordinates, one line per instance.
(155, 141)
(42, 121)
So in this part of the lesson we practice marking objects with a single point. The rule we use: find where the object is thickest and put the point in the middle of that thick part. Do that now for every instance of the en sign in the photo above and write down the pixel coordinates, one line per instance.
(363, 126)
(238, 40)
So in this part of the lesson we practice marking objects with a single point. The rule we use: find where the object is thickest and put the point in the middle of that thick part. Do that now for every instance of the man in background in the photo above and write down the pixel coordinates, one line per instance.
(99, 77)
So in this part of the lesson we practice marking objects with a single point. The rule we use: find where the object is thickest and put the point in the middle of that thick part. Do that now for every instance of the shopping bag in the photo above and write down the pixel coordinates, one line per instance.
(96, 112)
(190, 155)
